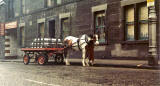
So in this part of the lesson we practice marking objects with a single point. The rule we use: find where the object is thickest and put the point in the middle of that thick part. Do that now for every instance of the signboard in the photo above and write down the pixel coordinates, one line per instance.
(150, 3)
(2, 29)
(11, 25)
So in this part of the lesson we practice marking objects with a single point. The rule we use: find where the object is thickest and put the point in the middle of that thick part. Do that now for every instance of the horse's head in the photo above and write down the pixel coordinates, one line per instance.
(94, 39)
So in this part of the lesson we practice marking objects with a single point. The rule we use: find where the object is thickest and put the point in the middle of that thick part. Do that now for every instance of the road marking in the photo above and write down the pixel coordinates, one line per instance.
(41, 82)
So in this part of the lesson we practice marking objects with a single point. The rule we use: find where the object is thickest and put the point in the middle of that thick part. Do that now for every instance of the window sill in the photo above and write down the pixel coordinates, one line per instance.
(136, 42)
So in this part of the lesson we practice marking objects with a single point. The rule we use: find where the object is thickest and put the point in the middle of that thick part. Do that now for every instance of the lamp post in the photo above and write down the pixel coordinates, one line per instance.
(152, 57)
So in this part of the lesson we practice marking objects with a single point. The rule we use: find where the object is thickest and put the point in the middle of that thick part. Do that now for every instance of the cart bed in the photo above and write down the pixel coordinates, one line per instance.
(42, 49)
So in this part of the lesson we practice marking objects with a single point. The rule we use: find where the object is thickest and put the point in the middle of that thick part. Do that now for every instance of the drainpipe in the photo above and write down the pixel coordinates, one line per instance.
(152, 56)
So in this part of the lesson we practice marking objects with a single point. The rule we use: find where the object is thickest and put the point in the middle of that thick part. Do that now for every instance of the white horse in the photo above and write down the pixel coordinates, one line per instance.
(85, 43)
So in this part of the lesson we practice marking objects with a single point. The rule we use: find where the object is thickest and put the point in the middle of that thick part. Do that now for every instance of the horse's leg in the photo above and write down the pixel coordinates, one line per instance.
(87, 56)
(67, 54)
(91, 55)
(87, 61)
(92, 59)
(83, 56)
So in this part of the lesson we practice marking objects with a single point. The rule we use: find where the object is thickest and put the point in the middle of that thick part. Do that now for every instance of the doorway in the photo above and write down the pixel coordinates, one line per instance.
(52, 29)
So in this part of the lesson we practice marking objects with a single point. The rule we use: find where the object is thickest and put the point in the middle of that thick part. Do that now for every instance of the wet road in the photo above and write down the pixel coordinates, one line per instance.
(18, 74)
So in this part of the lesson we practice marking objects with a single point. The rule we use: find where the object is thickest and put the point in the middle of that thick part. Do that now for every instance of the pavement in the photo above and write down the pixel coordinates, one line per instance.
(141, 64)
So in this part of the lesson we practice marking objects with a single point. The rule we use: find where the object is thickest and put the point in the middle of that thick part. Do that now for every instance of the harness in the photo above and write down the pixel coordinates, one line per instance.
(86, 41)
(78, 42)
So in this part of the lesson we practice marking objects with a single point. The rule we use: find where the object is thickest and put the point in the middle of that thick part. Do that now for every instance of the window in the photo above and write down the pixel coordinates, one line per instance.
(65, 25)
(41, 30)
(136, 22)
(22, 36)
(143, 21)
(129, 17)
(59, 2)
(50, 3)
(10, 9)
(2, 29)
(23, 6)
(100, 25)
(52, 29)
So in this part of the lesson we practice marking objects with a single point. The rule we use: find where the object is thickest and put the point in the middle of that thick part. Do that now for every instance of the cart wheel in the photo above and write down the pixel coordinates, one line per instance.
(42, 59)
(59, 58)
(26, 59)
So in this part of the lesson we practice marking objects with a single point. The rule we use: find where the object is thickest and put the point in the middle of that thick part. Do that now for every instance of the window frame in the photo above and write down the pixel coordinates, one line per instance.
(95, 25)
(136, 23)
(62, 28)
(53, 3)
(129, 23)
(141, 22)
(22, 36)
(40, 34)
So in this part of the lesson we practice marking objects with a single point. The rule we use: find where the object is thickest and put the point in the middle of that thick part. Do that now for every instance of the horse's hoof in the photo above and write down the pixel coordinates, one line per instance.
(87, 65)
(92, 64)
(67, 64)
(84, 65)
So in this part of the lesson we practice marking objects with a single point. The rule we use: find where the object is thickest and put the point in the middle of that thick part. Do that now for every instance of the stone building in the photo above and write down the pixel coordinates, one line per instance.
(122, 25)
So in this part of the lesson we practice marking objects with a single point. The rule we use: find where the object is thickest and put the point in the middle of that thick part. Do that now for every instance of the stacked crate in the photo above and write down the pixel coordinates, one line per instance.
(46, 43)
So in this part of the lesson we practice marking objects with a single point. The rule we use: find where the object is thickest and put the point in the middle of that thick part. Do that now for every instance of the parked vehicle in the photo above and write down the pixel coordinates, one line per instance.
(42, 49)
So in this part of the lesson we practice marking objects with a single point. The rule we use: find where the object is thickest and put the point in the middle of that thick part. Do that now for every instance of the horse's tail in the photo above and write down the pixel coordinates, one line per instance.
(64, 43)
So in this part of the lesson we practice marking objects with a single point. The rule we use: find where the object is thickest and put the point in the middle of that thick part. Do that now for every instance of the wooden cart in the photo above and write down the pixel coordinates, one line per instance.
(42, 54)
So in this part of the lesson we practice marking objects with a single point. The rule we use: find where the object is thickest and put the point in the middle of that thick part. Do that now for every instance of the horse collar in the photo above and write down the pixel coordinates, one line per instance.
(86, 39)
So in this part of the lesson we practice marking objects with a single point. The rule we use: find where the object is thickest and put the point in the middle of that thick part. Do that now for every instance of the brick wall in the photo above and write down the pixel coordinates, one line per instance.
(81, 18)
(82, 23)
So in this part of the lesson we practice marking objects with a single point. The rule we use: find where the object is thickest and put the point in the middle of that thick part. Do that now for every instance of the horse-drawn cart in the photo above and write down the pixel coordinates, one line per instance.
(43, 49)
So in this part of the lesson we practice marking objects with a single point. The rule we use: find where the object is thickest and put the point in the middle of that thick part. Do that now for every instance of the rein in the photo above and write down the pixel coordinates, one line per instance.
(78, 42)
